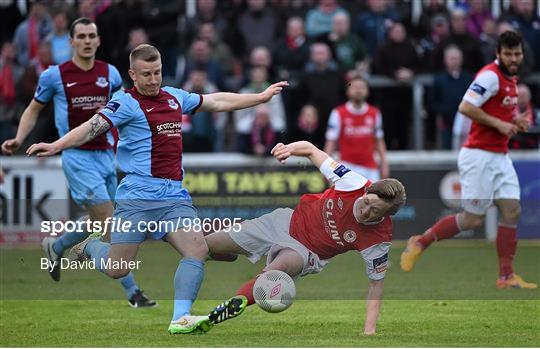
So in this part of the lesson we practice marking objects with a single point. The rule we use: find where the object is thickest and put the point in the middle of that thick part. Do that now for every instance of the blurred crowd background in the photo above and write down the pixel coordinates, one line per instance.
(245, 45)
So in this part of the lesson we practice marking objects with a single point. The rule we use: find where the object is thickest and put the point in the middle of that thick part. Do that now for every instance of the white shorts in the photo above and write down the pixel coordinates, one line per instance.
(485, 176)
(372, 174)
(269, 234)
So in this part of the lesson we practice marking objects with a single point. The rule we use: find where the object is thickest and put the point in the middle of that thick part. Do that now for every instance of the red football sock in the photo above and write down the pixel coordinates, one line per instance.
(445, 228)
(247, 291)
(506, 249)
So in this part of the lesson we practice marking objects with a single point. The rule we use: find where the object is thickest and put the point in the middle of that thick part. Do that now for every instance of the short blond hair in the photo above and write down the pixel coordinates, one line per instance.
(144, 52)
(390, 190)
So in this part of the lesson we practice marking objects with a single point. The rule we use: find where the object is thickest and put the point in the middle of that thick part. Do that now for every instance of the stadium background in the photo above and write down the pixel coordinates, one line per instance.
(452, 289)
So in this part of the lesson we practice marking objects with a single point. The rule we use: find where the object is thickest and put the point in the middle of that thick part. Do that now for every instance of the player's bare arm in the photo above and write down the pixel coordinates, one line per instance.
(374, 299)
(477, 114)
(225, 101)
(76, 137)
(303, 148)
(28, 120)
(330, 146)
(381, 150)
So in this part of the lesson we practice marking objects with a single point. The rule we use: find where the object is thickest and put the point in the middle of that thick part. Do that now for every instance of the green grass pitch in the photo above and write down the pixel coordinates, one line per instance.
(449, 300)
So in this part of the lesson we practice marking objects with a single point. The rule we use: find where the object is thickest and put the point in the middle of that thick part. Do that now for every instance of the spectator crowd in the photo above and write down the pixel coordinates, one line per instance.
(245, 45)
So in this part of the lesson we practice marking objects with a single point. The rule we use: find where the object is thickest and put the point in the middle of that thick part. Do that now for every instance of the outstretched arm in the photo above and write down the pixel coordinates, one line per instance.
(78, 136)
(303, 148)
(28, 120)
(374, 300)
(225, 101)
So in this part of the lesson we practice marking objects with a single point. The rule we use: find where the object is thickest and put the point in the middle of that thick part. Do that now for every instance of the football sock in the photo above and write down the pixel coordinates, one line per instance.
(506, 249)
(68, 240)
(445, 228)
(99, 253)
(247, 290)
(187, 281)
(129, 285)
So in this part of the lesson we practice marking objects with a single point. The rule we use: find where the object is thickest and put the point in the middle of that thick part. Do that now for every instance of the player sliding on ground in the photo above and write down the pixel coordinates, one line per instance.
(354, 214)
(486, 171)
(149, 120)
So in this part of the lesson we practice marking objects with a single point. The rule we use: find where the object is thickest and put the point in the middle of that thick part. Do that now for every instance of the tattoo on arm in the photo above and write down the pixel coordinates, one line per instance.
(98, 125)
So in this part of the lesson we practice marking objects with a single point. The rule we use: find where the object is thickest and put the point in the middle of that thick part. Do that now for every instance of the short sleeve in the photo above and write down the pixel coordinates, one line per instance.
(118, 111)
(114, 78)
(376, 260)
(484, 86)
(190, 102)
(334, 126)
(46, 85)
(342, 177)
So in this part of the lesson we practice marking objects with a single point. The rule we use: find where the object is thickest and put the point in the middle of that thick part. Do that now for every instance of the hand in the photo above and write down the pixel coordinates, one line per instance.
(42, 149)
(506, 128)
(522, 121)
(2, 176)
(281, 152)
(273, 90)
(10, 146)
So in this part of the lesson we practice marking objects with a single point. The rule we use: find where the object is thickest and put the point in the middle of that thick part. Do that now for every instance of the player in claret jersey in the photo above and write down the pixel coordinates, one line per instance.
(353, 215)
(149, 120)
(486, 170)
(79, 87)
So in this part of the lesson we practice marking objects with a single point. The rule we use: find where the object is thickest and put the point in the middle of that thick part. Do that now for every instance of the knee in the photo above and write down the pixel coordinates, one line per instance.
(510, 215)
(117, 273)
(196, 248)
(470, 221)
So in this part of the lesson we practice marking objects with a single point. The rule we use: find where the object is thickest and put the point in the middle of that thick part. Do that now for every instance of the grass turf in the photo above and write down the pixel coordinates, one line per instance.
(449, 300)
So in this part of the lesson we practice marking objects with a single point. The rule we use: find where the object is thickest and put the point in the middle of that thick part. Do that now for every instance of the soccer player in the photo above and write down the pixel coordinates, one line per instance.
(148, 118)
(356, 127)
(354, 214)
(486, 170)
(79, 88)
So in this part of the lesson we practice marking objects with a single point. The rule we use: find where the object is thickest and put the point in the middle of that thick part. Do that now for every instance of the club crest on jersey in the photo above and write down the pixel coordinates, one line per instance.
(349, 236)
(102, 82)
(172, 104)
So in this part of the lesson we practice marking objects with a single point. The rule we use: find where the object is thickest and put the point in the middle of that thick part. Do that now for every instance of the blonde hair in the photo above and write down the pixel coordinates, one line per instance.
(390, 190)
(144, 52)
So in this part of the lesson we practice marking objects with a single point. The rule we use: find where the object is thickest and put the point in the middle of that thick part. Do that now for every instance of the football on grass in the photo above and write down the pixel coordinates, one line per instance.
(274, 291)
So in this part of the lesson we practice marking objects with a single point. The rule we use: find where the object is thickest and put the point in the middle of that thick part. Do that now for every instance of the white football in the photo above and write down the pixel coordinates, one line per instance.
(274, 291)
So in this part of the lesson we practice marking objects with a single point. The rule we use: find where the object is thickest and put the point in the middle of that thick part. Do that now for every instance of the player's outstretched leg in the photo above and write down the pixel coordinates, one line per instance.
(97, 250)
(445, 228)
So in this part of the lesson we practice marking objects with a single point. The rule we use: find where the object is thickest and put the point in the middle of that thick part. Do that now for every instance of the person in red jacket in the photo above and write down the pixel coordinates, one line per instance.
(356, 129)
(486, 171)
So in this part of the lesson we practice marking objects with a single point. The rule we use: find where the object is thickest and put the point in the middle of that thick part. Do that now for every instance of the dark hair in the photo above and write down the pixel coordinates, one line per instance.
(81, 20)
(390, 190)
(144, 52)
(509, 39)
